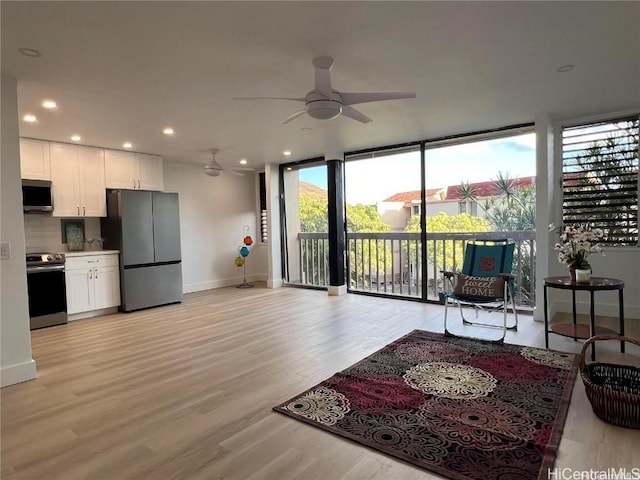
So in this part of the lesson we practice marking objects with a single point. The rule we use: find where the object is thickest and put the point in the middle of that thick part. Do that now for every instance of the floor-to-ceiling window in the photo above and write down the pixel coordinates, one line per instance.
(473, 186)
(481, 187)
(383, 205)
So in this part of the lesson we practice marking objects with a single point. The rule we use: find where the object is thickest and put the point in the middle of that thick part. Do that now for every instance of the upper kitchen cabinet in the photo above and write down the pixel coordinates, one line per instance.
(133, 171)
(150, 172)
(78, 183)
(34, 159)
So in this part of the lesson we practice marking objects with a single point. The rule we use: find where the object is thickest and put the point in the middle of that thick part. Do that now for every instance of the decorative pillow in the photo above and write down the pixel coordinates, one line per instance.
(479, 287)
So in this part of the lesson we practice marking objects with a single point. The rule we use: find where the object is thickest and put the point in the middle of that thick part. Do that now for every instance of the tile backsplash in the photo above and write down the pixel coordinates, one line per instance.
(43, 233)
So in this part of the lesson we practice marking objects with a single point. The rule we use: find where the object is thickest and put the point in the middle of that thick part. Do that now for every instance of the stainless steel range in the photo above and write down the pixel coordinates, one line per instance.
(47, 292)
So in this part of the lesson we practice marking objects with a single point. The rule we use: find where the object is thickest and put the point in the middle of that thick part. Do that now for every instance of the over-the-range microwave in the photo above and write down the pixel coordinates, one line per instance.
(36, 196)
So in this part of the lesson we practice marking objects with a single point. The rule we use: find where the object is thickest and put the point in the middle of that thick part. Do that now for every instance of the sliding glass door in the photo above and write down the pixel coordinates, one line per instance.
(383, 205)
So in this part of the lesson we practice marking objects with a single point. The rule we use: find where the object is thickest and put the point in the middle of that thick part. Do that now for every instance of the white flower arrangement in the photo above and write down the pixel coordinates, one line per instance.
(577, 242)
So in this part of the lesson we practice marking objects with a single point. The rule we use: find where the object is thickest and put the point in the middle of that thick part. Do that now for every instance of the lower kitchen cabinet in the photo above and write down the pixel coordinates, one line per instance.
(93, 283)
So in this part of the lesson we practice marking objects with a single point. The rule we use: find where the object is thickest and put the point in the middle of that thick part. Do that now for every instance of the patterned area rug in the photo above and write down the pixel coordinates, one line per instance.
(465, 409)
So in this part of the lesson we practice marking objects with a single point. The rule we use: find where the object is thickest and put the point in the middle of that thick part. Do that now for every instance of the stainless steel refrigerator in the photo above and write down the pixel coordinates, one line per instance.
(145, 227)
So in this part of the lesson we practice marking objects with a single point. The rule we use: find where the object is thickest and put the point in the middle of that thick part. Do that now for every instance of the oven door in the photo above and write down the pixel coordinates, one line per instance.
(47, 296)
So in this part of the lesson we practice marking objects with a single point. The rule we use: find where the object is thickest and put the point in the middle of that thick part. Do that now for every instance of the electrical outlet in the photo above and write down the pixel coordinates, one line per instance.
(5, 250)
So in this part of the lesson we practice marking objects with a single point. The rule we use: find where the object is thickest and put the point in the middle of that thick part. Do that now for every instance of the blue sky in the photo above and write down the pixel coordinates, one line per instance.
(370, 181)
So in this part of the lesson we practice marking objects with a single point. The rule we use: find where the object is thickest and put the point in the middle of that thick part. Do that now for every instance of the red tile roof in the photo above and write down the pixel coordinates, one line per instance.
(408, 197)
(483, 189)
(488, 189)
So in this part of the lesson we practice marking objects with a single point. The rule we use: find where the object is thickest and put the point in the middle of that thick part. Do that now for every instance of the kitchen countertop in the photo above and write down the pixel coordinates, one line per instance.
(85, 253)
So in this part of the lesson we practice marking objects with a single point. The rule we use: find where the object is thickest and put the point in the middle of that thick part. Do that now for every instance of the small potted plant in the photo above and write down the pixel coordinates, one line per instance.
(577, 243)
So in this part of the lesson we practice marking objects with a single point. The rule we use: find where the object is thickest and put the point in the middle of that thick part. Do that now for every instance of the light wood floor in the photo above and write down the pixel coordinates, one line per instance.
(186, 391)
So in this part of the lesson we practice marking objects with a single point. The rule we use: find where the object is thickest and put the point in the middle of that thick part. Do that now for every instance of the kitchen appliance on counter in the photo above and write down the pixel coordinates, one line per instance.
(46, 287)
(145, 227)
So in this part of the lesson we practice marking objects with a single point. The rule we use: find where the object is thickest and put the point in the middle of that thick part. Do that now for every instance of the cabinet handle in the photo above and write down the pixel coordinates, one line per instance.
(90, 273)
(84, 212)
(134, 183)
(95, 270)
(78, 210)
(138, 184)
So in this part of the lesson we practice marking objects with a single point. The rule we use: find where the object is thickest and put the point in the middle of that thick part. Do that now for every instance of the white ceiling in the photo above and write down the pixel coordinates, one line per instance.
(125, 70)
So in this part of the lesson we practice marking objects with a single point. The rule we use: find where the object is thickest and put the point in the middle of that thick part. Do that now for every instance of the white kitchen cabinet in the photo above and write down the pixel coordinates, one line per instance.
(34, 159)
(78, 183)
(133, 171)
(150, 172)
(93, 283)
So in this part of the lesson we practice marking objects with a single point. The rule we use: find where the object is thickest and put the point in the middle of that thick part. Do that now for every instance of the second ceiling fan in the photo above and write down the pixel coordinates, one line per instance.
(325, 103)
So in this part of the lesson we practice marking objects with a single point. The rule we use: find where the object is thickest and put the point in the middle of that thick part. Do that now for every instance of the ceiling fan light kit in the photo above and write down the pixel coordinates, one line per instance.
(214, 169)
(325, 103)
(324, 109)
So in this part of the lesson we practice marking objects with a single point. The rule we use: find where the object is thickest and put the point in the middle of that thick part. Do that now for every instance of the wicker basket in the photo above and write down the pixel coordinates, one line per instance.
(613, 390)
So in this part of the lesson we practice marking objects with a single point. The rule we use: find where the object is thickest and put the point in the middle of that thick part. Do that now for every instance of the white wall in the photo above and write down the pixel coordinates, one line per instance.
(213, 212)
(394, 214)
(16, 364)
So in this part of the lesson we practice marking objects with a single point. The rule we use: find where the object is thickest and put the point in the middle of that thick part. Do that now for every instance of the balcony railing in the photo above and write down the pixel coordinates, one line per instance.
(391, 263)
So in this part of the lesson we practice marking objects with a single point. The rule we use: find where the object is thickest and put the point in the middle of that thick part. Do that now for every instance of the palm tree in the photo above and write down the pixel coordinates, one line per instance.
(511, 208)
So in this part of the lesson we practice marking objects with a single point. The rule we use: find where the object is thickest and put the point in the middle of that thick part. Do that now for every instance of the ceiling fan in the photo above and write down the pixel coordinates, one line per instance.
(214, 169)
(325, 103)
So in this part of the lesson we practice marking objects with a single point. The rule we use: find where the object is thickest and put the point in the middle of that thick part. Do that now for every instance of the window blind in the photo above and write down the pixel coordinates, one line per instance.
(600, 164)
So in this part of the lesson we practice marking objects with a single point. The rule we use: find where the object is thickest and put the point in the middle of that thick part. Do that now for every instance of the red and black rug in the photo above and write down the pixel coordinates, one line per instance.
(465, 409)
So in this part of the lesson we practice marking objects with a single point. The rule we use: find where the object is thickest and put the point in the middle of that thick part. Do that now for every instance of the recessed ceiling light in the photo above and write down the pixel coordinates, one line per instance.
(243, 161)
(289, 168)
(168, 131)
(76, 138)
(29, 118)
(127, 145)
(286, 153)
(565, 68)
(49, 104)
(30, 52)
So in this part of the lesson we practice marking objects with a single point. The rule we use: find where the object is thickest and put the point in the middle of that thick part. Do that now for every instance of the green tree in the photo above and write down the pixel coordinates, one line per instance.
(510, 208)
(443, 253)
(596, 179)
(313, 215)
(360, 218)
(365, 218)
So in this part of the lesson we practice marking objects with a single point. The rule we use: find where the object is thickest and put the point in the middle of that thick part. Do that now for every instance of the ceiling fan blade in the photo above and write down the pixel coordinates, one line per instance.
(323, 67)
(355, 98)
(351, 112)
(293, 117)
(270, 98)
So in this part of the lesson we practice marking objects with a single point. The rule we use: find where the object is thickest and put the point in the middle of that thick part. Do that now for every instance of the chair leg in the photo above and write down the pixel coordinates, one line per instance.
(466, 322)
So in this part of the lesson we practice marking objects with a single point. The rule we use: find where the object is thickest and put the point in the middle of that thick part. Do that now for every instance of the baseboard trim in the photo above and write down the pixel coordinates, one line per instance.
(18, 373)
(223, 282)
(93, 313)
